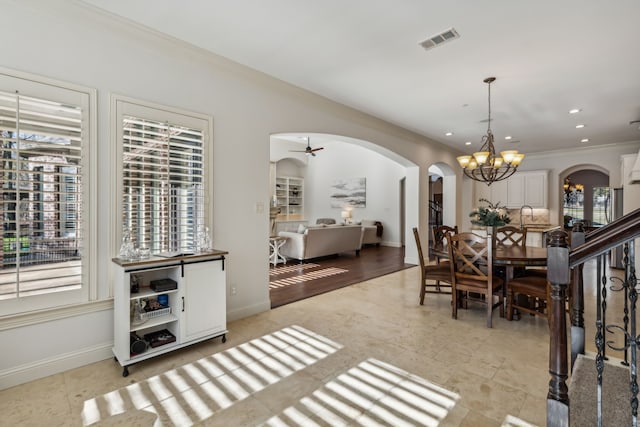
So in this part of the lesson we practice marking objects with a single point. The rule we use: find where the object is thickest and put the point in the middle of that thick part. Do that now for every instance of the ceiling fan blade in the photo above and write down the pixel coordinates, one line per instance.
(317, 149)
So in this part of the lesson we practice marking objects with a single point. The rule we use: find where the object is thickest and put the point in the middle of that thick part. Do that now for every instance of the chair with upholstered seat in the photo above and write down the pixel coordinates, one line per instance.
(529, 294)
(471, 259)
(440, 273)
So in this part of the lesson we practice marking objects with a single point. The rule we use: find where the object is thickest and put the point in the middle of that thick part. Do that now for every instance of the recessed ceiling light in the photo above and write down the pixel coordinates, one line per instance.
(467, 143)
(584, 140)
(575, 111)
(507, 137)
(579, 126)
(449, 133)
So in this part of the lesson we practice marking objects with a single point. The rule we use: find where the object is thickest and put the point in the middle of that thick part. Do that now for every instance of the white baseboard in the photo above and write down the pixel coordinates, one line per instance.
(391, 244)
(54, 365)
(247, 311)
(411, 260)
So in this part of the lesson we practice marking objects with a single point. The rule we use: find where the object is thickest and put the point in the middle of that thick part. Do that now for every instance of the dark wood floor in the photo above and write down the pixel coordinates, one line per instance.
(294, 281)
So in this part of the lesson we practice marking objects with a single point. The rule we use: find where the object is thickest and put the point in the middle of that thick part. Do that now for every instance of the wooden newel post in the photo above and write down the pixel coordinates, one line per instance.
(558, 277)
(577, 298)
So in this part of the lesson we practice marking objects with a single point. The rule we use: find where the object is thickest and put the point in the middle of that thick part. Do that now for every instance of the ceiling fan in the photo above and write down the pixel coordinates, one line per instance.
(308, 150)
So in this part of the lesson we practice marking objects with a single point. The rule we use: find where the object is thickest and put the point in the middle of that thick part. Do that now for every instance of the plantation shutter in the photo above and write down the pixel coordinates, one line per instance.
(41, 203)
(163, 184)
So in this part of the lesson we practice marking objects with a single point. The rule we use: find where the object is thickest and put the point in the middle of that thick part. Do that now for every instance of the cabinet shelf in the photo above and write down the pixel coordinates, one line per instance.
(148, 292)
(156, 321)
(290, 197)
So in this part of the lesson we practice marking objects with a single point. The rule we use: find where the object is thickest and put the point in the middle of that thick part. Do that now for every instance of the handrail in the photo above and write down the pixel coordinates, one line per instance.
(606, 238)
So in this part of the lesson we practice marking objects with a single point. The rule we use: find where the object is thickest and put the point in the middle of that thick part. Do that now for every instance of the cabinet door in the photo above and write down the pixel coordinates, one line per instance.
(515, 191)
(499, 192)
(204, 310)
(536, 189)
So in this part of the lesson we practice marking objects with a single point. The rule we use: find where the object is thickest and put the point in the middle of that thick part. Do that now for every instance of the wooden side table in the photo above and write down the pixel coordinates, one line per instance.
(275, 243)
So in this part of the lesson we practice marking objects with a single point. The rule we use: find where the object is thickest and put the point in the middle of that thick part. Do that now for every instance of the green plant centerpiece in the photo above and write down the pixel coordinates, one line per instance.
(492, 215)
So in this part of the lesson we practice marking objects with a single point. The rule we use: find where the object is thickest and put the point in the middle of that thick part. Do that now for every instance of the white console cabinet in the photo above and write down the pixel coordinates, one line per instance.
(194, 310)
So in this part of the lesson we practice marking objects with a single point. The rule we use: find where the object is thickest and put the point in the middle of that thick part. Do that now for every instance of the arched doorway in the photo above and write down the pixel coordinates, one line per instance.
(585, 196)
(442, 190)
(392, 193)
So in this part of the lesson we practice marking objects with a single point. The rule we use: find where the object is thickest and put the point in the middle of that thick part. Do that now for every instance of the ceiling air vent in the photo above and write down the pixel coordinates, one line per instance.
(438, 39)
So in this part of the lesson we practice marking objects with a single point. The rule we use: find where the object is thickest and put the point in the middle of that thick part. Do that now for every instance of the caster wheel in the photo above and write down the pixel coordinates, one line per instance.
(224, 339)
(125, 372)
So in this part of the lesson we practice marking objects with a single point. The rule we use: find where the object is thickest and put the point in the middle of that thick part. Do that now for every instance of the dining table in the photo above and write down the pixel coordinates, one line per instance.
(509, 257)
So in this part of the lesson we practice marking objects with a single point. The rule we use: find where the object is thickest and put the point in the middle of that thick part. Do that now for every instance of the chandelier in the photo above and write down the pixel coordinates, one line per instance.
(484, 165)
(571, 191)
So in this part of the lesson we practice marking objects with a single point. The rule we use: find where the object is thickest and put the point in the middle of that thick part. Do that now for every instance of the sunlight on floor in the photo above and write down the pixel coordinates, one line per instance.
(370, 393)
(197, 390)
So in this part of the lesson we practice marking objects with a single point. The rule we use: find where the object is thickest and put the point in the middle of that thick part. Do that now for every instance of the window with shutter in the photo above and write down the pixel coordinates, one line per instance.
(164, 177)
(43, 152)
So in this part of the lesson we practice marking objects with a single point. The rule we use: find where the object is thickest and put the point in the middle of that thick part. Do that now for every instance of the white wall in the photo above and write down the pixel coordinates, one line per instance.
(72, 42)
(341, 160)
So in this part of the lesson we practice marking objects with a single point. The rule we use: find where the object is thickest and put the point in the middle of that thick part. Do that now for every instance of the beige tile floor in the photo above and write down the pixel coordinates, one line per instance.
(487, 376)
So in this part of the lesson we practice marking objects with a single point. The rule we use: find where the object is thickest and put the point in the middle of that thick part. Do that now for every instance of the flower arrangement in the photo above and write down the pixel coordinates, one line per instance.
(491, 215)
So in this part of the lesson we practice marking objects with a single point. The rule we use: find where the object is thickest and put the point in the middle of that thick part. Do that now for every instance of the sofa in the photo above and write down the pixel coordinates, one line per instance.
(371, 232)
(321, 240)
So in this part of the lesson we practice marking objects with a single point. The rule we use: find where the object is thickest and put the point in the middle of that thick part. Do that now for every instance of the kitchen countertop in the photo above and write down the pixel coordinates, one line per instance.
(540, 228)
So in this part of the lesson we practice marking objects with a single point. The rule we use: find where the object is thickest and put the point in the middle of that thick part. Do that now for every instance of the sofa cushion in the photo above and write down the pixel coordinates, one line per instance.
(322, 241)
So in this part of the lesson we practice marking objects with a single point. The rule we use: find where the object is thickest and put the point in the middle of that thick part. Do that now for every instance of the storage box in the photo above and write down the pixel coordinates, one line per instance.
(162, 285)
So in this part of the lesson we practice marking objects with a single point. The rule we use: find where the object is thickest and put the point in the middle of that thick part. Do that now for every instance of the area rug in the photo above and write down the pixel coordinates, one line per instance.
(616, 394)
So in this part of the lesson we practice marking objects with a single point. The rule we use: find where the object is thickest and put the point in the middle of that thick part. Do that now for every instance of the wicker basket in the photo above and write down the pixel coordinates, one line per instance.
(155, 313)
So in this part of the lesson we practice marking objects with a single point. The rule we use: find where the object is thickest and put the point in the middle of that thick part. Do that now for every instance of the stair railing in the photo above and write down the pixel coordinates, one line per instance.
(564, 263)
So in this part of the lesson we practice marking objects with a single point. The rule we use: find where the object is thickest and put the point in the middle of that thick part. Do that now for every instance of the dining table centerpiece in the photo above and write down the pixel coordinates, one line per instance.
(490, 216)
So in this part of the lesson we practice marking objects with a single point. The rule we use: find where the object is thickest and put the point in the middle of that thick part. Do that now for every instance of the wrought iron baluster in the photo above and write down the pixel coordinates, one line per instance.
(625, 319)
(599, 340)
(633, 344)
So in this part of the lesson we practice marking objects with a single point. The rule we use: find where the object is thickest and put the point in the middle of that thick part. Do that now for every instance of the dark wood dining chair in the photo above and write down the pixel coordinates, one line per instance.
(471, 259)
(439, 236)
(510, 235)
(439, 273)
(528, 294)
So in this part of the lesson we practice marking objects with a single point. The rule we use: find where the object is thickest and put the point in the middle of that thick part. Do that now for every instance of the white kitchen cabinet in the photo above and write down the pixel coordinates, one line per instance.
(192, 308)
(536, 188)
(522, 188)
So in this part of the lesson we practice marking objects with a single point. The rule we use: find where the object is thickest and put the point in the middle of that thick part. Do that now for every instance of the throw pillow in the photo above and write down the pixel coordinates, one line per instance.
(301, 228)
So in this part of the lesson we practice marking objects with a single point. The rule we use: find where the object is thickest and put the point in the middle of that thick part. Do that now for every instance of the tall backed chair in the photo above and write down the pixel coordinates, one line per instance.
(440, 273)
(471, 259)
(439, 236)
(510, 235)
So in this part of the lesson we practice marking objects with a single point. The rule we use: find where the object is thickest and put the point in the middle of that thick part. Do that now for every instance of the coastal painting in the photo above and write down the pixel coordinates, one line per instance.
(348, 192)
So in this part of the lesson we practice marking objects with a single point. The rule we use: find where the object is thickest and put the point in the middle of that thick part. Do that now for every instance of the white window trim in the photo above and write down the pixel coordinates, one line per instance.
(34, 314)
(120, 105)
